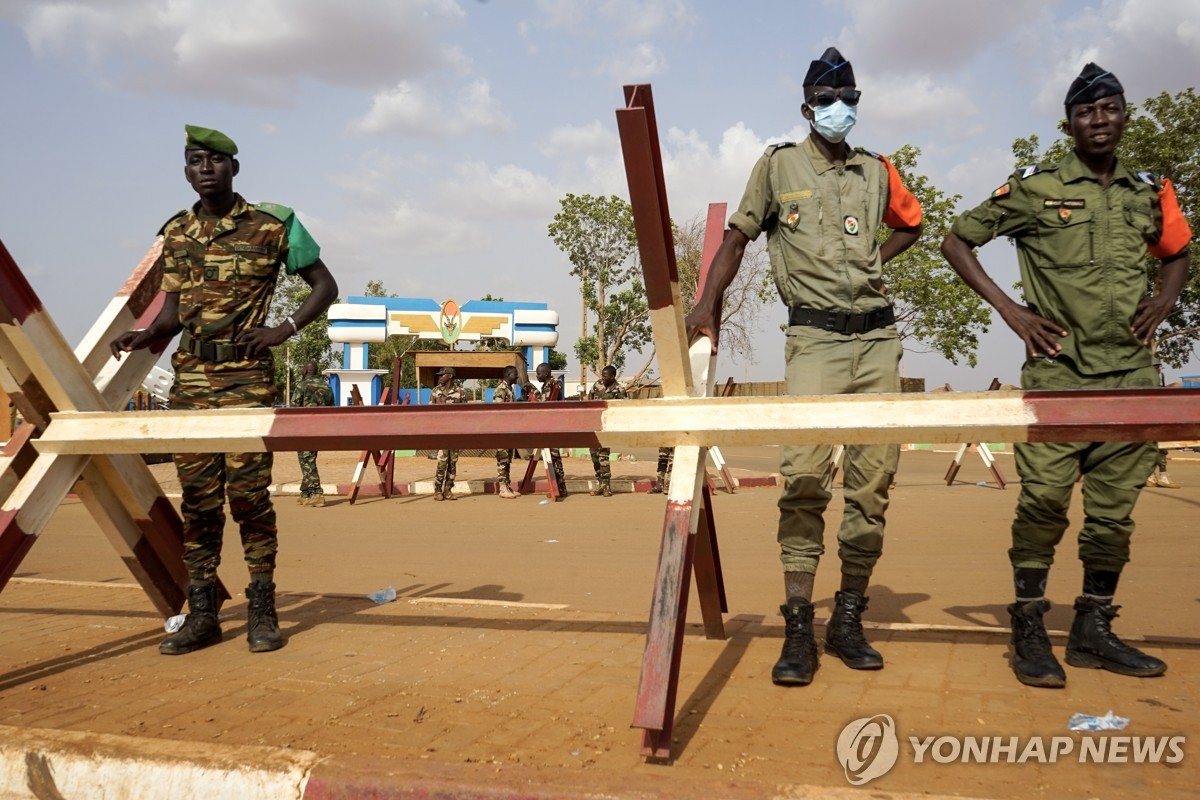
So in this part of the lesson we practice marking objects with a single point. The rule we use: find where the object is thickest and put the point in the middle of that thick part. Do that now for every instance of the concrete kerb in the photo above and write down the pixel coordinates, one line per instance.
(36, 764)
(371, 488)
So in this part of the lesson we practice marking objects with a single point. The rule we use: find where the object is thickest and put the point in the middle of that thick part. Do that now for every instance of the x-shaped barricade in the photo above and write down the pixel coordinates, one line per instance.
(687, 417)
(43, 376)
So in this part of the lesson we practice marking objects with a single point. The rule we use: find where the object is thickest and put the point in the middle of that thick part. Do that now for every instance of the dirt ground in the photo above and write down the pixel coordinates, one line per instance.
(512, 655)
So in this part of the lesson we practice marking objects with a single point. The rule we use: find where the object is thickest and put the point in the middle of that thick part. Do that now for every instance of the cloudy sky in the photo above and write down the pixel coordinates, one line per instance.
(426, 143)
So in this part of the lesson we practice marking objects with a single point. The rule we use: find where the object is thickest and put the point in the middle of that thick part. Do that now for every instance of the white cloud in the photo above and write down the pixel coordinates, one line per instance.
(642, 18)
(634, 19)
(479, 192)
(636, 65)
(410, 109)
(575, 141)
(977, 176)
(1151, 47)
(248, 51)
(926, 35)
(906, 102)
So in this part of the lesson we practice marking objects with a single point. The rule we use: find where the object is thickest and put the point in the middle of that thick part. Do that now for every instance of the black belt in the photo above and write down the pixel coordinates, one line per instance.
(211, 351)
(842, 321)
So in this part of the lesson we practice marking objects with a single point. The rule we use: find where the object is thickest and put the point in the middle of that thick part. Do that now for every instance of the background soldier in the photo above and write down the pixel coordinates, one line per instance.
(220, 260)
(311, 391)
(606, 388)
(823, 205)
(1160, 477)
(666, 457)
(1082, 229)
(550, 390)
(504, 394)
(448, 390)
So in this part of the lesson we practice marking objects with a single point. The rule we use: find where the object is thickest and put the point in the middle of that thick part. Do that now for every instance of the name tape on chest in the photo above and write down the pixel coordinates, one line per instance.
(1068, 202)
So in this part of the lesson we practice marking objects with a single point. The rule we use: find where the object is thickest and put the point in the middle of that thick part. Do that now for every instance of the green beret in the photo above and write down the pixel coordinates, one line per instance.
(209, 139)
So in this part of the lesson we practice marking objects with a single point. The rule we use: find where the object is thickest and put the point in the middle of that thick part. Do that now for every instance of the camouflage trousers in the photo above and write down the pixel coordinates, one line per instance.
(666, 458)
(447, 467)
(556, 464)
(310, 479)
(602, 465)
(504, 459)
(207, 478)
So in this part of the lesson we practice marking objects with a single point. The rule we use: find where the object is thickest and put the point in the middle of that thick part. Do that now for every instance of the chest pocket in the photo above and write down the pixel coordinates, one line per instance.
(1140, 227)
(800, 217)
(252, 262)
(1065, 238)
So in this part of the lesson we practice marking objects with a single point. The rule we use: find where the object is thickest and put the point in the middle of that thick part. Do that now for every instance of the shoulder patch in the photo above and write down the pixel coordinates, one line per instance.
(174, 217)
(779, 146)
(1149, 178)
(870, 153)
(281, 213)
(1001, 190)
(1032, 169)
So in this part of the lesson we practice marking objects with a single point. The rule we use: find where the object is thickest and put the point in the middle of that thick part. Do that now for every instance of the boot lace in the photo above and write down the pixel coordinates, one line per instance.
(1035, 642)
(1103, 621)
(261, 610)
(850, 627)
(796, 641)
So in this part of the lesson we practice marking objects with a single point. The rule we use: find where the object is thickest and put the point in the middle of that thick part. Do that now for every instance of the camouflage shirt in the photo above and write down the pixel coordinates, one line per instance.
(225, 270)
(601, 392)
(504, 393)
(312, 391)
(452, 392)
(543, 394)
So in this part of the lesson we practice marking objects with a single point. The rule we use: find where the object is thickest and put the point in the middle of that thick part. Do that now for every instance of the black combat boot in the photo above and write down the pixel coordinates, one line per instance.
(262, 623)
(1032, 659)
(1092, 643)
(201, 627)
(844, 634)
(799, 659)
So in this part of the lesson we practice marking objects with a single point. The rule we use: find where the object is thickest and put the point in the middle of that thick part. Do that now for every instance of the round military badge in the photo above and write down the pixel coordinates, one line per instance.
(851, 224)
(450, 322)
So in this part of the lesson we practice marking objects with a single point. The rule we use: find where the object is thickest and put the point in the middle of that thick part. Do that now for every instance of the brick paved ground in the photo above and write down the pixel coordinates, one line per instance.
(509, 662)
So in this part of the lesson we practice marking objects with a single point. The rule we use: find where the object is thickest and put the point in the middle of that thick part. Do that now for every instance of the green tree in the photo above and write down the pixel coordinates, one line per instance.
(598, 237)
(1163, 138)
(311, 344)
(933, 305)
(745, 297)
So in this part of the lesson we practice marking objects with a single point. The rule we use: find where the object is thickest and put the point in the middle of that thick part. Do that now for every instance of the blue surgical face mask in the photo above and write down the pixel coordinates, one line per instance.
(834, 121)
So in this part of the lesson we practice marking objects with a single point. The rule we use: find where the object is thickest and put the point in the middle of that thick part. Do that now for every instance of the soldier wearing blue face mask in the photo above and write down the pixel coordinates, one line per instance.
(822, 204)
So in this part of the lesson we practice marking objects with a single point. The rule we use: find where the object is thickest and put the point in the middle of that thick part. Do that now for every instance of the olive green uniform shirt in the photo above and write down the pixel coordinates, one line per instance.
(1082, 250)
(822, 223)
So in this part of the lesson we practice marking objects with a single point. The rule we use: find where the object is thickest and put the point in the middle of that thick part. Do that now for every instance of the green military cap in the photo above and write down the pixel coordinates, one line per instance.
(209, 139)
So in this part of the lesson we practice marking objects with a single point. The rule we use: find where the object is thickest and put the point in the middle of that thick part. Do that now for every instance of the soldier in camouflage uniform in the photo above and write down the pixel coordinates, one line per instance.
(447, 390)
(220, 260)
(1084, 228)
(311, 391)
(504, 393)
(606, 388)
(666, 457)
(549, 391)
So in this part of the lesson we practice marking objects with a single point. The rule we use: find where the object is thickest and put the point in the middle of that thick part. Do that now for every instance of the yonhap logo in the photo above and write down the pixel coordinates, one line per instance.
(868, 748)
